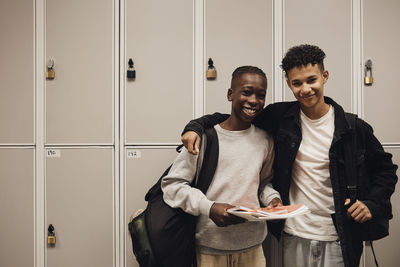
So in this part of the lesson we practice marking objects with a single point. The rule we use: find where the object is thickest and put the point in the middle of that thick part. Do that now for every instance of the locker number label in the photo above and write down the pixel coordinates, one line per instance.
(53, 153)
(134, 154)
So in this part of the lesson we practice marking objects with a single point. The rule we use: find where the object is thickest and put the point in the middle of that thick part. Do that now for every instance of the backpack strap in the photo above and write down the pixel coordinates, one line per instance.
(210, 160)
(349, 155)
(208, 167)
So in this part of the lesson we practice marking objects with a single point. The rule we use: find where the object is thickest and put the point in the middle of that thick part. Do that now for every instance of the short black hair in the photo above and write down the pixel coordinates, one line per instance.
(302, 55)
(238, 72)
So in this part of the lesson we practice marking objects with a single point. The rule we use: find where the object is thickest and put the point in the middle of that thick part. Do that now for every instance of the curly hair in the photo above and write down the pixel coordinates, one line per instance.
(238, 72)
(302, 55)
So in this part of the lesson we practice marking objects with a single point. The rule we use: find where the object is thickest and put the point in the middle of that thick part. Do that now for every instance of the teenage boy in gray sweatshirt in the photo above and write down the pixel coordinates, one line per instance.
(242, 178)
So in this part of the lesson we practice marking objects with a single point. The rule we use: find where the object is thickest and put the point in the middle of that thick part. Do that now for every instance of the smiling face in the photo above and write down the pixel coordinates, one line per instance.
(307, 84)
(247, 95)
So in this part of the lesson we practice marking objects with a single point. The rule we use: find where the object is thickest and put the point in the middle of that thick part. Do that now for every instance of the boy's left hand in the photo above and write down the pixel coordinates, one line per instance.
(276, 202)
(358, 211)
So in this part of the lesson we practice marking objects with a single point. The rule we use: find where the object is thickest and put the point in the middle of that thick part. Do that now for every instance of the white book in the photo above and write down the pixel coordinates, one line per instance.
(263, 214)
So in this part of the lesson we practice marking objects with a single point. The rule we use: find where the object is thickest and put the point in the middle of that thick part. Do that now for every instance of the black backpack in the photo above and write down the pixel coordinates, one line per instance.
(377, 227)
(163, 236)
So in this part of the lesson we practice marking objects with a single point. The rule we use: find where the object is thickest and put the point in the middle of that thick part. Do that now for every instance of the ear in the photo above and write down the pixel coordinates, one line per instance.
(325, 75)
(288, 82)
(229, 94)
(289, 85)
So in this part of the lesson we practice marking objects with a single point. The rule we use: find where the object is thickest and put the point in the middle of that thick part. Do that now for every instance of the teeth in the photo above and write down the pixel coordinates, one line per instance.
(250, 110)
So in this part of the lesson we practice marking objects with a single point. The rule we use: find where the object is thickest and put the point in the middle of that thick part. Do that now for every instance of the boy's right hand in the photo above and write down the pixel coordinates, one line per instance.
(220, 216)
(191, 140)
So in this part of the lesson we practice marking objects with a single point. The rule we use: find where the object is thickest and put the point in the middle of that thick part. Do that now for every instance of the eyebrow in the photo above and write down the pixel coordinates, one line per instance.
(308, 77)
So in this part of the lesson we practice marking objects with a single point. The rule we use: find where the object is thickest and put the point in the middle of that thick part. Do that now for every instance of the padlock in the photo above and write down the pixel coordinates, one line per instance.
(51, 240)
(211, 73)
(50, 74)
(131, 72)
(51, 237)
(368, 80)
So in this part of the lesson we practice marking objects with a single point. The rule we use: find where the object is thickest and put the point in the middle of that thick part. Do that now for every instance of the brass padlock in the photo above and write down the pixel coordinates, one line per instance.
(51, 240)
(368, 79)
(50, 73)
(51, 237)
(211, 72)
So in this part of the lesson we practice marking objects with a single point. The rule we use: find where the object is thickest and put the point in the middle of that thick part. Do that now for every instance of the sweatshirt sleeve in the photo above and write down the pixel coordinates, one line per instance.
(266, 192)
(177, 189)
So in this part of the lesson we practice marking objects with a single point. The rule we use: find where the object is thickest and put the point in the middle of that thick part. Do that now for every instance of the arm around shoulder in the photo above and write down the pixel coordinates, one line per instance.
(207, 121)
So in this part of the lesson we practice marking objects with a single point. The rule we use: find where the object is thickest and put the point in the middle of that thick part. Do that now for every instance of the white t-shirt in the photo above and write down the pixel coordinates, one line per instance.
(311, 183)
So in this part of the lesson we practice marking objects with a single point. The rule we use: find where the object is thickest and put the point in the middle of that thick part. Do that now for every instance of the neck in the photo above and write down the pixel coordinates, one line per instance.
(316, 112)
(231, 124)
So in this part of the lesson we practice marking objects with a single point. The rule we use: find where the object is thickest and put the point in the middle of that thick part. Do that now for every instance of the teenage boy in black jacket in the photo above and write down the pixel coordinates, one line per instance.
(310, 136)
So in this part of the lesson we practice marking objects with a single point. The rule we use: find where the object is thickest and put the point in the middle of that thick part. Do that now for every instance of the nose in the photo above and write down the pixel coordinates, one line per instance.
(305, 89)
(252, 99)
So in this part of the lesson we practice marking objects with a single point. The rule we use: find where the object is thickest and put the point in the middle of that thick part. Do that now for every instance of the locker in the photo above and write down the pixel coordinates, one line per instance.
(142, 169)
(79, 204)
(327, 25)
(236, 34)
(386, 250)
(79, 100)
(159, 39)
(17, 207)
(16, 72)
(380, 39)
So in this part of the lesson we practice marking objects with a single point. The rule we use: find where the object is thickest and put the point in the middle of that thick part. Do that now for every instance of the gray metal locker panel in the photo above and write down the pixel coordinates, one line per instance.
(79, 101)
(159, 39)
(381, 45)
(16, 72)
(328, 25)
(79, 204)
(142, 171)
(236, 33)
(17, 207)
(387, 249)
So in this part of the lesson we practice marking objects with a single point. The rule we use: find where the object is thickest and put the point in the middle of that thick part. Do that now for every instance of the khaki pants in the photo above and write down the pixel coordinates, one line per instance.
(251, 258)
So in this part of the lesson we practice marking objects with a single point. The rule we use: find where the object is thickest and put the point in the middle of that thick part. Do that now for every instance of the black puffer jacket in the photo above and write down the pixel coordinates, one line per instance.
(376, 171)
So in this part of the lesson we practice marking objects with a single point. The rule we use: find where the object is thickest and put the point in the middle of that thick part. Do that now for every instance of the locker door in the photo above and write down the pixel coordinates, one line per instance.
(387, 250)
(16, 72)
(143, 168)
(159, 39)
(79, 101)
(381, 39)
(328, 25)
(236, 33)
(79, 204)
(17, 208)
